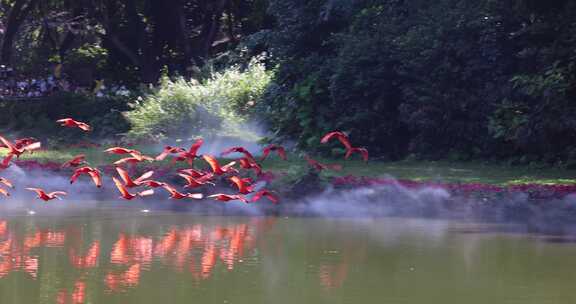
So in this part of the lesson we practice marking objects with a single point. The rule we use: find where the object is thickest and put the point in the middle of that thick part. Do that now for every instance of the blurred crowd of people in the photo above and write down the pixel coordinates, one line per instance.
(19, 86)
(12, 85)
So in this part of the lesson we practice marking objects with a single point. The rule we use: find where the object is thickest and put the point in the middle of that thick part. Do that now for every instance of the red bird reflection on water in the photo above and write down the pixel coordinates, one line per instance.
(129, 250)
(15, 253)
(181, 249)
(116, 282)
(78, 295)
(89, 260)
(199, 249)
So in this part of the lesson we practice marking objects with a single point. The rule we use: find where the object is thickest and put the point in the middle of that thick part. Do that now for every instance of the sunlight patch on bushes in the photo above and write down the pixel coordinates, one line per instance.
(188, 108)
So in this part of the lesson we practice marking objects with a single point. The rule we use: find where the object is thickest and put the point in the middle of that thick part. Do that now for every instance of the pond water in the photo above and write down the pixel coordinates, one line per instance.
(126, 256)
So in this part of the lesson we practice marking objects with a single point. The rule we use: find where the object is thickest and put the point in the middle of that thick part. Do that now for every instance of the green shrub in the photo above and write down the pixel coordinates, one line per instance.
(188, 108)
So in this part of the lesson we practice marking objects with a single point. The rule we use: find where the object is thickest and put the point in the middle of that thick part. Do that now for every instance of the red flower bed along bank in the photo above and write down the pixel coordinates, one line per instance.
(534, 191)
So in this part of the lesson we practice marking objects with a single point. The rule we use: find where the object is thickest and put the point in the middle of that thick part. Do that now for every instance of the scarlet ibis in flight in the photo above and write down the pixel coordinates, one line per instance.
(228, 197)
(92, 172)
(192, 182)
(152, 183)
(265, 193)
(242, 184)
(47, 196)
(129, 182)
(174, 194)
(169, 150)
(363, 152)
(127, 195)
(23, 142)
(6, 182)
(135, 154)
(248, 164)
(343, 138)
(13, 149)
(71, 123)
(216, 168)
(192, 153)
(242, 150)
(127, 160)
(6, 161)
(277, 148)
(121, 151)
(319, 166)
(194, 173)
(77, 161)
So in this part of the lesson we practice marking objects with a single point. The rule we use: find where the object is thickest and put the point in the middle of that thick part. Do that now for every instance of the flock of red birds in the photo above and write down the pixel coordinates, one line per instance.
(194, 177)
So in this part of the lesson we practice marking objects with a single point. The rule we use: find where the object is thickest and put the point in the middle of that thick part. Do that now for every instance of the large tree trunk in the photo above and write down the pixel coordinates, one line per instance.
(210, 27)
(18, 13)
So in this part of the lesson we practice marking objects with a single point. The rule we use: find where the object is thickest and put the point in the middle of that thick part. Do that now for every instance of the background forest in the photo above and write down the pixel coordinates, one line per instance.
(446, 79)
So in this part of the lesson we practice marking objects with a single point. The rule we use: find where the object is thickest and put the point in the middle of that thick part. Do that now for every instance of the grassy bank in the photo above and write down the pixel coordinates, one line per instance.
(464, 172)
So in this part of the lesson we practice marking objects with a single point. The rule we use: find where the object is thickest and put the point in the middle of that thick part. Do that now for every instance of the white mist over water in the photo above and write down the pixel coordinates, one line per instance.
(82, 194)
(372, 201)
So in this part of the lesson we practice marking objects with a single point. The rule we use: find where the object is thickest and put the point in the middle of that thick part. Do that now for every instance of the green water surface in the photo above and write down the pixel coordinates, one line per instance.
(161, 257)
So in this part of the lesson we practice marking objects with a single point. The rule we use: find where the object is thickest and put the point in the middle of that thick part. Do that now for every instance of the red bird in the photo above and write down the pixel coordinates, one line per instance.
(132, 160)
(193, 172)
(94, 174)
(19, 151)
(238, 150)
(169, 150)
(191, 154)
(319, 166)
(242, 184)
(192, 182)
(216, 168)
(6, 182)
(246, 163)
(265, 193)
(152, 183)
(135, 154)
(127, 195)
(227, 197)
(47, 196)
(129, 182)
(174, 194)
(279, 149)
(23, 142)
(127, 160)
(362, 152)
(121, 151)
(71, 123)
(6, 162)
(77, 161)
(343, 138)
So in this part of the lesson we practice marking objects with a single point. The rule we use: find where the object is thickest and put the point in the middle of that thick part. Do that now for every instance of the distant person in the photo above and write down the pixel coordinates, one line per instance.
(99, 85)
(58, 71)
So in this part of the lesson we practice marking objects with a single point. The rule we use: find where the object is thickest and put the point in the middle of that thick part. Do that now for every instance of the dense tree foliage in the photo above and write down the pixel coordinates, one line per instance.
(135, 38)
(457, 79)
(446, 78)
